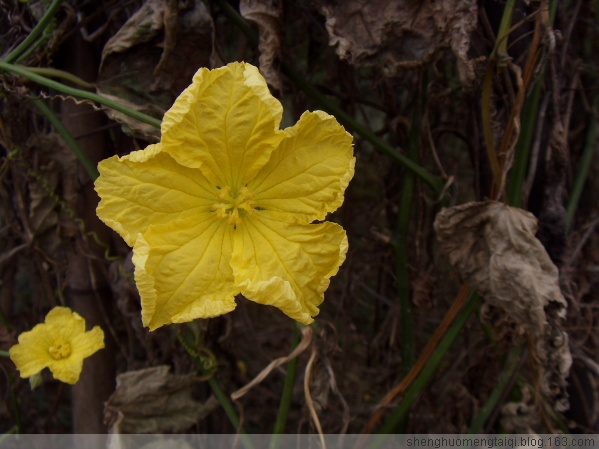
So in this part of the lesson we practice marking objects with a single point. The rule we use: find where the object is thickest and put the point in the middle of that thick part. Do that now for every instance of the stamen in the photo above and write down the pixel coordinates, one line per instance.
(234, 206)
(60, 349)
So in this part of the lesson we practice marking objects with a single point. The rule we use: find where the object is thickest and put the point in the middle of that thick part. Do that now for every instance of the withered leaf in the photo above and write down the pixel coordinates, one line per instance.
(494, 248)
(153, 400)
(267, 15)
(396, 35)
(153, 57)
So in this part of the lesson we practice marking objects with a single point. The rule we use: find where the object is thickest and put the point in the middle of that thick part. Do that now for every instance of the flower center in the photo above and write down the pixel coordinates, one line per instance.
(60, 349)
(233, 206)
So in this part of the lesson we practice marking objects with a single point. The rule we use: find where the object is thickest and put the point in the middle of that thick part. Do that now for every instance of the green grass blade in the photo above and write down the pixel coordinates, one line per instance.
(290, 376)
(78, 93)
(505, 381)
(418, 386)
(89, 166)
(15, 54)
(584, 168)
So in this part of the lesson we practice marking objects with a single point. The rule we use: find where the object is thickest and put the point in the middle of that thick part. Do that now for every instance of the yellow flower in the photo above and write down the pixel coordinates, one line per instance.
(60, 343)
(224, 203)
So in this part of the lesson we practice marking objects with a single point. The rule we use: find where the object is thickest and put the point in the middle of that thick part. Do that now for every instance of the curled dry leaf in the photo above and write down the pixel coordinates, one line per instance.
(494, 248)
(152, 400)
(267, 15)
(153, 57)
(397, 35)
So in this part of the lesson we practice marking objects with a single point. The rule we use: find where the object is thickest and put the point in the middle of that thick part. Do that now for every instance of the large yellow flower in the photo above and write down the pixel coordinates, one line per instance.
(60, 343)
(224, 203)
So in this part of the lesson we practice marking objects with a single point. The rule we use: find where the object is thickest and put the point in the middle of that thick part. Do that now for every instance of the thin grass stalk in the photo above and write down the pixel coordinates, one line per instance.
(584, 168)
(78, 93)
(522, 151)
(486, 123)
(89, 166)
(423, 358)
(401, 239)
(496, 59)
(418, 386)
(285, 403)
(527, 131)
(504, 27)
(435, 182)
(505, 382)
(15, 54)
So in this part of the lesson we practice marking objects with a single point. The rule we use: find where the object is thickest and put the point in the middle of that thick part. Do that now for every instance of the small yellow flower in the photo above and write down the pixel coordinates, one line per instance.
(60, 343)
(224, 204)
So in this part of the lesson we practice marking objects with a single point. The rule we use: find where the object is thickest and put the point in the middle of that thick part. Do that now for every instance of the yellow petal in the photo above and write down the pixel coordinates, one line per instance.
(63, 322)
(148, 187)
(82, 345)
(226, 124)
(182, 270)
(288, 266)
(31, 354)
(67, 370)
(309, 172)
(86, 344)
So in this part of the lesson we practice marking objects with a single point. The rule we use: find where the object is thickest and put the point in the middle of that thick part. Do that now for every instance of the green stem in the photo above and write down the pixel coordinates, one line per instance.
(22, 71)
(416, 388)
(402, 239)
(14, 55)
(190, 345)
(505, 381)
(290, 376)
(504, 27)
(433, 181)
(522, 151)
(225, 403)
(49, 72)
(4, 354)
(89, 166)
(585, 166)
(285, 403)
(527, 130)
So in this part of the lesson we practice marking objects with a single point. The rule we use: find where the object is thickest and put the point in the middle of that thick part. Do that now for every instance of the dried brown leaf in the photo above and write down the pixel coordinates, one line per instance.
(153, 57)
(494, 248)
(152, 400)
(267, 15)
(396, 35)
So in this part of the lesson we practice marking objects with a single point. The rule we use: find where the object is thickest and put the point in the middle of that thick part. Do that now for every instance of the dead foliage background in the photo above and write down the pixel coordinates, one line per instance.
(434, 81)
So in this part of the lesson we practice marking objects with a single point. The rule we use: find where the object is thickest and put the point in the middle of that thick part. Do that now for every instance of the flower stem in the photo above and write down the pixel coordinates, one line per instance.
(4, 354)
(190, 346)
(15, 54)
(78, 93)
